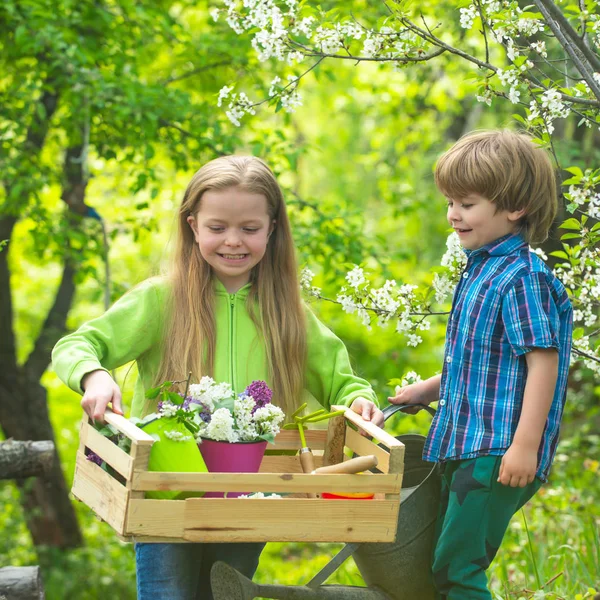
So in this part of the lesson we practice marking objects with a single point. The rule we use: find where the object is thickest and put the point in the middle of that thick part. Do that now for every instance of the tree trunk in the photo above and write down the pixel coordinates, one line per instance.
(21, 583)
(19, 460)
(24, 416)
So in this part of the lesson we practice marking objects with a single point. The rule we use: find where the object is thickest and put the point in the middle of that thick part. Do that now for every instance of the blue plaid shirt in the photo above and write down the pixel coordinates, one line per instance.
(506, 304)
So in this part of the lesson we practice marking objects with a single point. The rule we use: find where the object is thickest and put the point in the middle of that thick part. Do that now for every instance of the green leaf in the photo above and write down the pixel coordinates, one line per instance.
(191, 426)
(578, 333)
(174, 397)
(575, 171)
(152, 393)
(559, 254)
(570, 224)
(570, 236)
(227, 403)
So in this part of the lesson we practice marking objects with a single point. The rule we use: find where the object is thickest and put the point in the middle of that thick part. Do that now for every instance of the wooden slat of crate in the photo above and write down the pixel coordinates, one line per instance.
(290, 440)
(101, 492)
(126, 427)
(335, 440)
(381, 436)
(109, 452)
(317, 520)
(266, 482)
(362, 446)
(156, 518)
(285, 464)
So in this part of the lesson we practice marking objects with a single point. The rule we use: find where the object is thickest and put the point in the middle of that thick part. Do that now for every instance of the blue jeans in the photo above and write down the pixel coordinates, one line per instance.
(182, 571)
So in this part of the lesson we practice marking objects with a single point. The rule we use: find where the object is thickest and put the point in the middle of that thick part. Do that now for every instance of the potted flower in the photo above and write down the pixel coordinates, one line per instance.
(233, 431)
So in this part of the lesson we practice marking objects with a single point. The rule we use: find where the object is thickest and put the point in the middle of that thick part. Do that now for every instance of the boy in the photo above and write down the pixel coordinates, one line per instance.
(503, 385)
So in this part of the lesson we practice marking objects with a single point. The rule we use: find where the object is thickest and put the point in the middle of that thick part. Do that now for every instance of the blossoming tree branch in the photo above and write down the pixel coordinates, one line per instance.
(544, 59)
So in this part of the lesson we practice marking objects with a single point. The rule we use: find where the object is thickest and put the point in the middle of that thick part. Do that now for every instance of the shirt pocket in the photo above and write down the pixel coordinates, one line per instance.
(485, 335)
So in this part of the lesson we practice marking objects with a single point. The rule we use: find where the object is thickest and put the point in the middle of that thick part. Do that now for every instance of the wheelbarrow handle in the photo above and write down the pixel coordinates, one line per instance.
(392, 409)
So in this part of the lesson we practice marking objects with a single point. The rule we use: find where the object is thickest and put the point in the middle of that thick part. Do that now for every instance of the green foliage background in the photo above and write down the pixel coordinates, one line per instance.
(356, 163)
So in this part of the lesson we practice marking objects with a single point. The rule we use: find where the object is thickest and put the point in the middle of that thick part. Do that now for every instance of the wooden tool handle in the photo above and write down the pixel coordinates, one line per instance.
(307, 460)
(354, 465)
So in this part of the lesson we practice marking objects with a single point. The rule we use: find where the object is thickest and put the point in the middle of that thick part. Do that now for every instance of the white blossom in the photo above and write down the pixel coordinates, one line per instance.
(221, 428)
(514, 95)
(468, 16)
(443, 287)
(224, 94)
(239, 106)
(177, 436)
(306, 278)
(356, 277)
(268, 419)
(272, 89)
(413, 339)
(540, 48)
(486, 97)
(348, 304)
(303, 26)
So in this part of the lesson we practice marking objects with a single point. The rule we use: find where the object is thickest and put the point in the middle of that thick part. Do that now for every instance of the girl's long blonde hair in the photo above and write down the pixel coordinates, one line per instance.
(189, 339)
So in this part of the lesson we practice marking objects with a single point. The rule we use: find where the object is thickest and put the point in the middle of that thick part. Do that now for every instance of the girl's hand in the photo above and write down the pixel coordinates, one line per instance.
(410, 394)
(368, 411)
(100, 390)
(518, 466)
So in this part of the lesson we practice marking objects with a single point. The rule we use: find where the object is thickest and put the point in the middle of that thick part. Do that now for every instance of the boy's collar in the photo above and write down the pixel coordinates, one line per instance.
(507, 244)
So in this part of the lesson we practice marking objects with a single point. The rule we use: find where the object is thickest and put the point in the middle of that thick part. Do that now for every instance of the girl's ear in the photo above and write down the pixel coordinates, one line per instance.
(272, 227)
(192, 223)
(516, 215)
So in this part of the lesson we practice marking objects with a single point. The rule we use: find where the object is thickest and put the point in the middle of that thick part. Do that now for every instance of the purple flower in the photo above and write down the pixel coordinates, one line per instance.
(261, 393)
(205, 416)
(93, 457)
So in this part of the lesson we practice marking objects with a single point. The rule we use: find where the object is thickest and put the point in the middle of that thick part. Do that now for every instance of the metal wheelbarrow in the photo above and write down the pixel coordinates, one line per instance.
(395, 571)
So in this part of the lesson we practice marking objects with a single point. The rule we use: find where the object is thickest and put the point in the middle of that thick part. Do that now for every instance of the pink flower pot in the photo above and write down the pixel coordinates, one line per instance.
(225, 457)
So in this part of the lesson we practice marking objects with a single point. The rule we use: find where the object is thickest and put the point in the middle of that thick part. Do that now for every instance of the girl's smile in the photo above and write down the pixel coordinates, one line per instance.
(234, 257)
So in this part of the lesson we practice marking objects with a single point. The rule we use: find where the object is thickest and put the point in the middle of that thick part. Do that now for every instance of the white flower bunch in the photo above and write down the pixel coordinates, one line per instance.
(208, 392)
(225, 417)
(268, 420)
(220, 427)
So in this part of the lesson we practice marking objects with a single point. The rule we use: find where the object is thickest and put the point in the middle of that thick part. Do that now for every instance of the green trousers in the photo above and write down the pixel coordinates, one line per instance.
(475, 511)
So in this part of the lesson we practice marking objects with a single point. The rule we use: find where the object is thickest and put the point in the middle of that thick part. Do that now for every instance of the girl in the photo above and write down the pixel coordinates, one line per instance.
(229, 308)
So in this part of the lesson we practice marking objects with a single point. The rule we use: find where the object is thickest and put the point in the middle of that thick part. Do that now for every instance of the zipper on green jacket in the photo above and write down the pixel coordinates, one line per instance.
(231, 340)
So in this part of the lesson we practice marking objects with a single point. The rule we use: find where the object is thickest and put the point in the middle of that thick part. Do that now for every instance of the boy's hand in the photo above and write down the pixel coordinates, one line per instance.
(518, 466)
(368, 411)
(410, 394)
(100, 390)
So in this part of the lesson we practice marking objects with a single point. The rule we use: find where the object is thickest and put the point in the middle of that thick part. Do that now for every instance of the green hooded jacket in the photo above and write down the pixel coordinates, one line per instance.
(131, 329)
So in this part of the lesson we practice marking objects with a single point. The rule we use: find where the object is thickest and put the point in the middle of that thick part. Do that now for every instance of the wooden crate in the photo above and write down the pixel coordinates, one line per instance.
(121, 503)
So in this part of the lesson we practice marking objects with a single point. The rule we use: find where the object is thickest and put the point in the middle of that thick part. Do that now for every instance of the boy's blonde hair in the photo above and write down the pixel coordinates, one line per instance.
(190, 334)
(508, 169)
